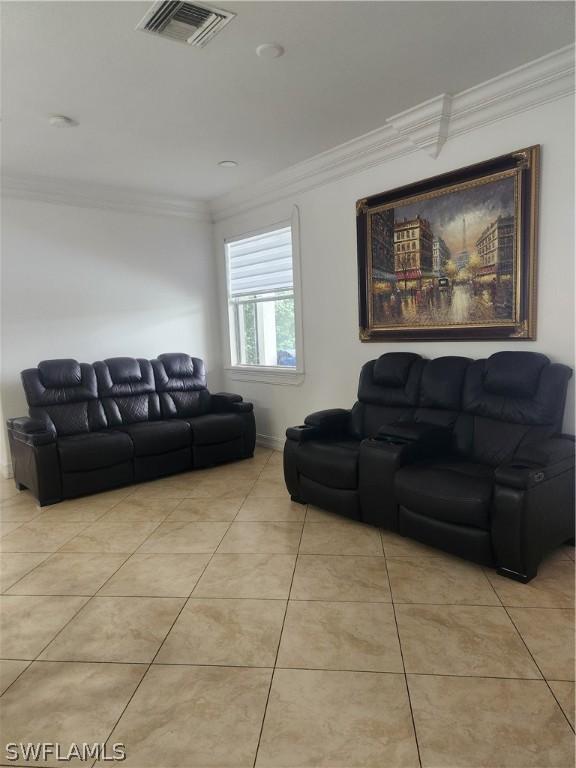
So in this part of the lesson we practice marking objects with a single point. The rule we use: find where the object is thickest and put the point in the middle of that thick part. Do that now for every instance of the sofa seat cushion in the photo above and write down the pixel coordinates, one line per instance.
(151, 438)
(94, 450)
(451, 491)
(331, 463)
(215, 428)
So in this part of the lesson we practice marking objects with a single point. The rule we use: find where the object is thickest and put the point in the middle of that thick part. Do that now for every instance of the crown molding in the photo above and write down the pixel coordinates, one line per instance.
(426, 127)
(84, 195)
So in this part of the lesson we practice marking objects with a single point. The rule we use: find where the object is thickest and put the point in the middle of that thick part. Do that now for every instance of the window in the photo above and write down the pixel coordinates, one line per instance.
(261, 300)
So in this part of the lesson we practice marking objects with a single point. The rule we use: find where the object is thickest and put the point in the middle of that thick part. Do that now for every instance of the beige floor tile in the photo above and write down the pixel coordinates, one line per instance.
(38, 536)
(549, 635)
(69, 574)
(401, 546)
(340, 636)
(27, 624)
(14, 565)
(261, 538)
(436, 580)
(341, 577)
(120, 629)
(166, 489)
(257, 576)
(221, 488)
(271, 510)
(8, 527)
(317, 515)
(241, 633)
(194, 717)
(462, 640)
(66, 704)
(342, 538)
(276, 459)
(474, 722)
(206, 510)
(104, 501)
(270, 487)
(9, 671)
(70, 514)
(20, 508)
(564, 692)
(553, 587)
(156, 576)
(319, 719)
(110, 537)
(140, 510)
(184, 538)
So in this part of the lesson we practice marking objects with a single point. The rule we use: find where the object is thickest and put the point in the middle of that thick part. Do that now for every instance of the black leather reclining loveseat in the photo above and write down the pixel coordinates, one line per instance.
(464, 455)
(122, 420)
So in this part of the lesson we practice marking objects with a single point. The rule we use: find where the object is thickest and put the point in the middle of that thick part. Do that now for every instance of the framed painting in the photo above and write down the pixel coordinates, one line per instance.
(454, 256)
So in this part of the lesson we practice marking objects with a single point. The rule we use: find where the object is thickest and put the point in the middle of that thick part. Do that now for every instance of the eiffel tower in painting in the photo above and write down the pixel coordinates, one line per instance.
(463, 257)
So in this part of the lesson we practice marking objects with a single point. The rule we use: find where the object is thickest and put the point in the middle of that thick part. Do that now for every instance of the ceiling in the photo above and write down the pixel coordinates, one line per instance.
(158, 116)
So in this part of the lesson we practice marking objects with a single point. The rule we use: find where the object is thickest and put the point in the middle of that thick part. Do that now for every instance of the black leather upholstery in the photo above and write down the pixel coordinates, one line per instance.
(151, 438)
(127, 389)
(63, 394)
(95, 450)
(331, 463)
(448, 451)
(93, 427)
(216, 428)
(181, 384)
(452, 491)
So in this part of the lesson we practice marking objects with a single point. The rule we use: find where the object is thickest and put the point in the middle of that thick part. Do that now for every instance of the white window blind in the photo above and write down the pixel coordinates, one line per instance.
(261, 264)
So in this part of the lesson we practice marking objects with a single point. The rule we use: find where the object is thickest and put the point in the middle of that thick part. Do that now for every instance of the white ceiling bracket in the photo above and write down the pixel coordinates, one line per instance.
(425, 126)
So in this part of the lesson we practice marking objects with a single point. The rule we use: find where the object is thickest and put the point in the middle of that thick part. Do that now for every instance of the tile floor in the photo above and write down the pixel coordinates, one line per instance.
(206, 621)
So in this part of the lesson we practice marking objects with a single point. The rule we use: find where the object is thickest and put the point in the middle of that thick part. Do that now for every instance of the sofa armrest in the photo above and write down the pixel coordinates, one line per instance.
(303, 433)
(533, 464)
(332, 418)
(31, 431)
(227, 402)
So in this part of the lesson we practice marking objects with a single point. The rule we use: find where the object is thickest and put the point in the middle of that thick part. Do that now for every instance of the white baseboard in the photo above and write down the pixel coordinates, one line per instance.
(268, 441)
(6, 470)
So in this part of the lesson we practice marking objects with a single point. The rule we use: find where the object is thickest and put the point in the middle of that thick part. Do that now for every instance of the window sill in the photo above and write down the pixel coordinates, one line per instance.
(288, 377)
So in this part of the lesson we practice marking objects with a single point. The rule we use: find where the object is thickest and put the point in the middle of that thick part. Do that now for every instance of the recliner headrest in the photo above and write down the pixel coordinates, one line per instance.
(393, 368)
(179, 372)
(56, 374)
(514, 374)
(124, 370)
(177, 364)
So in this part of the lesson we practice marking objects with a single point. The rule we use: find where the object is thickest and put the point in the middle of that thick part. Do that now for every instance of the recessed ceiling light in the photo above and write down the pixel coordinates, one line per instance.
(269, 51)
(227, 163)
(62, 121)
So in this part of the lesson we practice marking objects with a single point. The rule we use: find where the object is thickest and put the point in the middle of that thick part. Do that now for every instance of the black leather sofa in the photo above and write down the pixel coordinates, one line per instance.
(463, 455)
(122, 420)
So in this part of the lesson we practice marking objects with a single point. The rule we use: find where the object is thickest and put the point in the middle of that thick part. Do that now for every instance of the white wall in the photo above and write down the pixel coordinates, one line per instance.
(88, 284)
(333, 353)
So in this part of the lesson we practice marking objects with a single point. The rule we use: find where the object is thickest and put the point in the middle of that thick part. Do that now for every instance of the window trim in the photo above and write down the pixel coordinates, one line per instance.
(262, 373)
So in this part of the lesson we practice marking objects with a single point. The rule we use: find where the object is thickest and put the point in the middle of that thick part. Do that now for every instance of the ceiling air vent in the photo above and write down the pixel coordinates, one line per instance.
(185, 22)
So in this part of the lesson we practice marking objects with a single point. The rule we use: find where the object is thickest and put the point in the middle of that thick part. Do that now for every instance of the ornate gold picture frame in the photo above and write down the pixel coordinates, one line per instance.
(454, 256)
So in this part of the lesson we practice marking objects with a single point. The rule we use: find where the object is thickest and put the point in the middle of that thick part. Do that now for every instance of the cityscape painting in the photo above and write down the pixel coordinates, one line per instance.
(455, 260)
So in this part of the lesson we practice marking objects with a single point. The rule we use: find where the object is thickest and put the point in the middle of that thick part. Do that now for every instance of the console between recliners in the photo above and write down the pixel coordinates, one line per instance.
(463, 455)
(122, 420)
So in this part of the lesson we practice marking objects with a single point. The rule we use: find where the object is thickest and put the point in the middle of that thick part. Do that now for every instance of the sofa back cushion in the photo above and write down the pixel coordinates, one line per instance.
(64, 395)
(181, 385)
(441, 390)
(126, 387)
(510, 399)
(388, 391)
